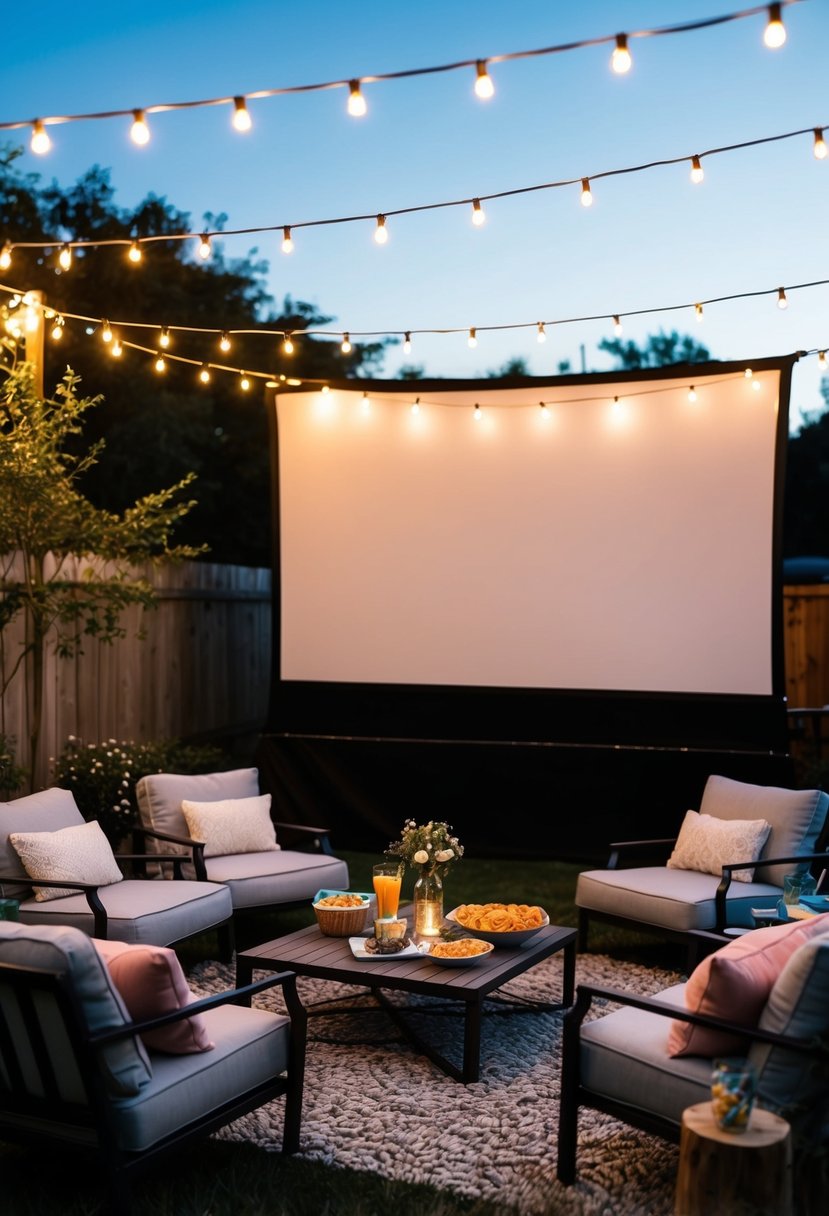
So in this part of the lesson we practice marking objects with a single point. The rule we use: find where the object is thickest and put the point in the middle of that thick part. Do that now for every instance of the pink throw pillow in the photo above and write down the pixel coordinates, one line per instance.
(734, 983)
(151, 982)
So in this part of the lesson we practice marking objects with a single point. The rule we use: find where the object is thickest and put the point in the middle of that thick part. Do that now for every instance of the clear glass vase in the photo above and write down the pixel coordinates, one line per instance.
(428, 905)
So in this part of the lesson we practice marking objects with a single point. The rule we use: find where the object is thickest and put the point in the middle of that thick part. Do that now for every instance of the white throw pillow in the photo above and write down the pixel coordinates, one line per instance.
(707, 844)
(81, 853)
(232, 825)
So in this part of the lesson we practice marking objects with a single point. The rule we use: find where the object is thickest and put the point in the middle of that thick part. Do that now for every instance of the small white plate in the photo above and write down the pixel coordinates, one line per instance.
(358, 949)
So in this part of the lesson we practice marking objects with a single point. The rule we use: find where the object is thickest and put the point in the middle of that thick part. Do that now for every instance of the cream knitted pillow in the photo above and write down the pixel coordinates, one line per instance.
(707, 844)
(81, 853)
(232, 825)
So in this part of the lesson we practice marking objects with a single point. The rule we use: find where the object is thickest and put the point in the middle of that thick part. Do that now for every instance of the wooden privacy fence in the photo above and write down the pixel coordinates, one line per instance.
(204, 667)
(202, 670)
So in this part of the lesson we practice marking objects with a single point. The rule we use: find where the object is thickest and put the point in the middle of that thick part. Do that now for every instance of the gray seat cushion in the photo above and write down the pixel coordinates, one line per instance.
(798, 1006)
(795, 816)
(46, 811)
(159, 797)
(250, 1045)
(671, 899)
(68, 951)
(282, 877)
(624, 1056)
(140, 911)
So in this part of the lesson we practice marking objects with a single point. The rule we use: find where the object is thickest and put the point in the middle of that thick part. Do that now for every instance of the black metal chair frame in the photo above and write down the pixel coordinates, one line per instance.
(19, 1107)
(574, 1095)
(619, 859)
(227, 942)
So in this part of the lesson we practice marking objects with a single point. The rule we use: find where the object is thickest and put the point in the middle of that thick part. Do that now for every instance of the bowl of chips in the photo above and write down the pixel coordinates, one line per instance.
(341, 913)
(500, 924)
(459, 951)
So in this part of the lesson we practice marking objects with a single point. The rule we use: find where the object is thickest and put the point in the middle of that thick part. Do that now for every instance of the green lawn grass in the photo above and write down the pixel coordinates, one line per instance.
(219, 1178)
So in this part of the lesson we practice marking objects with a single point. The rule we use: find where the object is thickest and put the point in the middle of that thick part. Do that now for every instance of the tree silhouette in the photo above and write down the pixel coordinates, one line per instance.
(659, 350)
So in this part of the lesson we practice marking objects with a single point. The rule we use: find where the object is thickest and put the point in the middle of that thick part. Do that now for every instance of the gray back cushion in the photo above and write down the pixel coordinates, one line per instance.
(796, 818)
(160, 796)
(47, 811)
(125, 1065)
(798, 1007)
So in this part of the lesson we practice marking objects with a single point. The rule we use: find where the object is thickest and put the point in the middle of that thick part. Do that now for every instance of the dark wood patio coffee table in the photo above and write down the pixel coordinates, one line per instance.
(307, 952)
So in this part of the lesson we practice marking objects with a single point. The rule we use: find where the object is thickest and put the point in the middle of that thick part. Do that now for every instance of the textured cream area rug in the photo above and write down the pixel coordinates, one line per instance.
(372, 1103)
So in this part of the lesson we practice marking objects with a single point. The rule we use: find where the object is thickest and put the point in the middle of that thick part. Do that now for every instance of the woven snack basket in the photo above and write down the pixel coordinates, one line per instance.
(341, 922)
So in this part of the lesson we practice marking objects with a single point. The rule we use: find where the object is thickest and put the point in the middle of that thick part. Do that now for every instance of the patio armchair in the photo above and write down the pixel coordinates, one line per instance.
(662, 886)
(76, 1070)
(135, 910)
(621, 1063)
(264, 863)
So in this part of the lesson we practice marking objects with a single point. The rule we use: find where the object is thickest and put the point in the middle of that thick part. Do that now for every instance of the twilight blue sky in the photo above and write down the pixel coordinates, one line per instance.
(758, 220)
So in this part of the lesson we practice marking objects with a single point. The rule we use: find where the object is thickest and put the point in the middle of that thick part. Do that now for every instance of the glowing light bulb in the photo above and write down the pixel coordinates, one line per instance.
(821, 151)
(241, 115)
(116, 349)
(821, 360)
(617, 326)
(380, 233)
(5, 256)
(139, 131)
(106, 332)
(65, 257)
(477, 414)
(204, 247)
(204, 374)
(775, 34)
(244, 383)
(697, 171)
(287, 345)
(478, 213)
(40, 142)
(325, 389)
(748, 373)
(345, 345)
(540, 334)
(287, 240)
(484, 88)
(472, 340)
(692, 394)
(365, 405)
(698, 313)
(782, 302)
(32, 317)
(57, 329)
(164, 340)
(621, 60)
(135, 255)
(356, 102)
(586, 195)
(545, 413)
(407, 343)
(160, 364)
(416, 406)
(755, 384)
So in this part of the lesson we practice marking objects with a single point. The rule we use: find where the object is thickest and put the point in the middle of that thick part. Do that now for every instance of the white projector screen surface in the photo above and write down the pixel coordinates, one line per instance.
(595, 544)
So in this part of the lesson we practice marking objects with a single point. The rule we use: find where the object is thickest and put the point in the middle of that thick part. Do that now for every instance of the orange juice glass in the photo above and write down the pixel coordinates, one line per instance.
(387, 877)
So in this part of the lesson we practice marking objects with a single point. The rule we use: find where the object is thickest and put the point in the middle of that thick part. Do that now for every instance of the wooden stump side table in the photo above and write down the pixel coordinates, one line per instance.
(733, 1173)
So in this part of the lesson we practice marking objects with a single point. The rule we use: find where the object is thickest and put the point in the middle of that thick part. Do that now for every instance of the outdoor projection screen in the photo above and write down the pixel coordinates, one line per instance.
(619, 538)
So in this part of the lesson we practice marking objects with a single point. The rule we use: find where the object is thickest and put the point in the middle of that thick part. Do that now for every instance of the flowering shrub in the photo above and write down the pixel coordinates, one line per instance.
(102, 776)
(431, 847)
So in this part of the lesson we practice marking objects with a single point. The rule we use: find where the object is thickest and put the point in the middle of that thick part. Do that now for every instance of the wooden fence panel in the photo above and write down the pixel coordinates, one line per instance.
(203, 668)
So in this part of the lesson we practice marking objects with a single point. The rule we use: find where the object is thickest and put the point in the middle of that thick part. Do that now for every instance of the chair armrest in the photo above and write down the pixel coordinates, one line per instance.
(90, 890)
(196, 846)
(234, 996)
(319, 837)
(728, 871)
(624, 850)
(586, 993)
